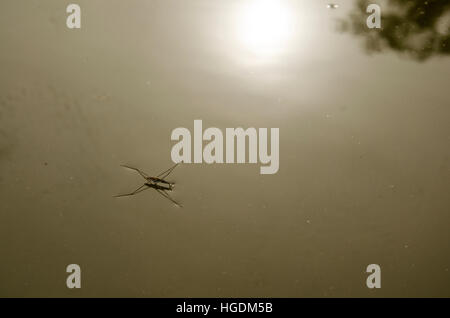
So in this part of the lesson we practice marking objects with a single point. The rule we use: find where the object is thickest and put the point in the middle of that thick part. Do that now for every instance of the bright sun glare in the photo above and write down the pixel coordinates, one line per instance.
(265, 27)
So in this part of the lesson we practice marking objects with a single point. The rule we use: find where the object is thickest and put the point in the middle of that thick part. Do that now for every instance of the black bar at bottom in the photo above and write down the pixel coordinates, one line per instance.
(147, 307)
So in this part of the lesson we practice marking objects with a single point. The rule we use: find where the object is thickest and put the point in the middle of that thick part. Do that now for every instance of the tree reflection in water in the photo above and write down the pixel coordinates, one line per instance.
(417, 28)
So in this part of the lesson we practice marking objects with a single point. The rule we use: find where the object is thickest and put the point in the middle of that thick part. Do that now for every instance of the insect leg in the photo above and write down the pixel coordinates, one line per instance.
(140, 189)
(167, 196)
(166, 173)
(142, 173)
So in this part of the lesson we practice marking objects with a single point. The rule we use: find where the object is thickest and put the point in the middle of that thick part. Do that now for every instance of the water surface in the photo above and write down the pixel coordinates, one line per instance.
(364, 152)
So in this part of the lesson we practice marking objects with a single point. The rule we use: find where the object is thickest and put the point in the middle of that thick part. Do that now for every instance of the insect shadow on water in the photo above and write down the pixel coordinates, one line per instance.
(158, 183)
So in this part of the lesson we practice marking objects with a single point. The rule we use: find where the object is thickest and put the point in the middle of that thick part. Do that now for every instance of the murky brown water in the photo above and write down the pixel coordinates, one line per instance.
(364, 154)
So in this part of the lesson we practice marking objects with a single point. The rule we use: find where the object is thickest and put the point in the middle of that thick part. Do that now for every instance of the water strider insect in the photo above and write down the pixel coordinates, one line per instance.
(158, 183)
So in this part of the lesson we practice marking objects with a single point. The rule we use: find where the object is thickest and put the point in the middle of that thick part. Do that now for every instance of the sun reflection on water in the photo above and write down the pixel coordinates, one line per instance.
(265, 27)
